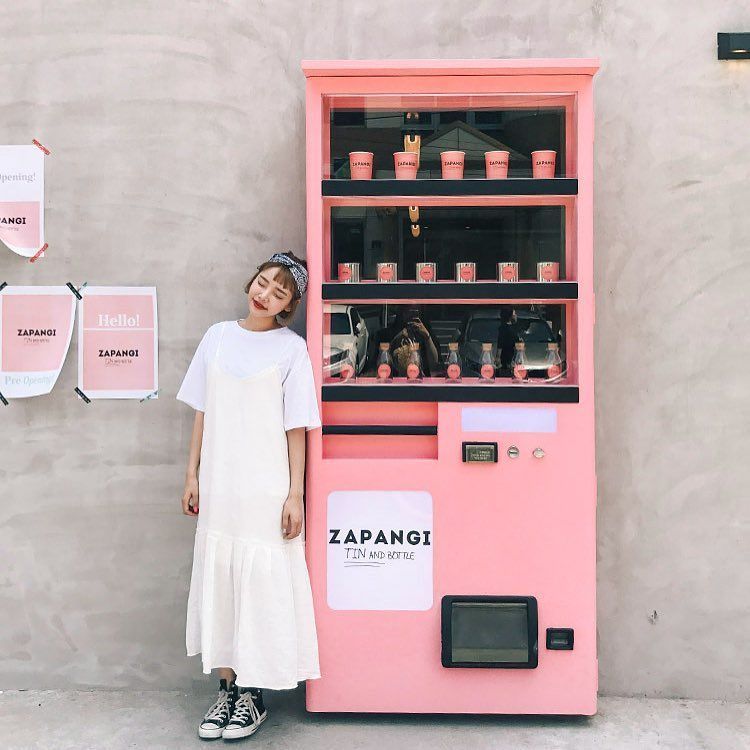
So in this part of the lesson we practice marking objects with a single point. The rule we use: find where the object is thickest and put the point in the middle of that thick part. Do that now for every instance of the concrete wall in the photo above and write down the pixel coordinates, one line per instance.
(177, 137)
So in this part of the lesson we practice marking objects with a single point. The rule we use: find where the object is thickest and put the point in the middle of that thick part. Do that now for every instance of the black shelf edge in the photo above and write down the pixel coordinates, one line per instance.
(412, 290)
(517, 394)
(378, 429)
(468, 186)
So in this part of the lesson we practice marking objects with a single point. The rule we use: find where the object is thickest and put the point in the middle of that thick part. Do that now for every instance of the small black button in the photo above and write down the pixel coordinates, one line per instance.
(560, 639)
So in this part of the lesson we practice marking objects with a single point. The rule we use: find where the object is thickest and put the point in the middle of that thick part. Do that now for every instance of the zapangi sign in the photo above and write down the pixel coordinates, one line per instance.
(22, 199)
(36, 324)
(380, 550)
(118, 342)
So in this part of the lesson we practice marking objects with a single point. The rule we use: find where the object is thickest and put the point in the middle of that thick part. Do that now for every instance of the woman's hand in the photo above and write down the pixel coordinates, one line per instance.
(291, 516)
(190, 497)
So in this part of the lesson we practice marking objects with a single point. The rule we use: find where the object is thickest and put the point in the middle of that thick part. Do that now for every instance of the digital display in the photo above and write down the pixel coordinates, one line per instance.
(490, 632)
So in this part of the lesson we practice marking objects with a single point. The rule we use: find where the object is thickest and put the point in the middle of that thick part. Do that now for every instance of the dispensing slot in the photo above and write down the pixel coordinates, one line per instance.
(380, 430)
(489, 631)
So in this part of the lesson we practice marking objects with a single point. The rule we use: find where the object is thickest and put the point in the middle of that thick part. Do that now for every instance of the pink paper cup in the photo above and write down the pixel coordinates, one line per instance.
(543, 164)
(452, 164)
(496, 164)
(405, 163)
(360, 165)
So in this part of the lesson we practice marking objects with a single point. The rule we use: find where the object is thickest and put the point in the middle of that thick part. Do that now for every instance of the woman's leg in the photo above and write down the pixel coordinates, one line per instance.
(228, 674)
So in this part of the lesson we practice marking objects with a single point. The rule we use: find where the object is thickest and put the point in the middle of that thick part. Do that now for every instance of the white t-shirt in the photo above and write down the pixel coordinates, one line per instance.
(244, 353)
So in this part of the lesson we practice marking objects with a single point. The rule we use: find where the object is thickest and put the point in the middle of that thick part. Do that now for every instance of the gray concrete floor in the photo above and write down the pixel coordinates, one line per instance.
(166, 720)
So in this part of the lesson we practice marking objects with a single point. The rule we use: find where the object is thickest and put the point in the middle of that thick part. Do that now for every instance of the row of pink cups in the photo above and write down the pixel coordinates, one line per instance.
(452, 164)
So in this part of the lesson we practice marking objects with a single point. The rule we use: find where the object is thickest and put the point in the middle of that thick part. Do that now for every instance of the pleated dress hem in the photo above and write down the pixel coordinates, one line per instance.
(274, 686)
(241, 595)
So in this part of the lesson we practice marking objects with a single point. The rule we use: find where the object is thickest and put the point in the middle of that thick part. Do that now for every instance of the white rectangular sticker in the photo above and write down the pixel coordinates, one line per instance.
(379, 550)
(508, 419)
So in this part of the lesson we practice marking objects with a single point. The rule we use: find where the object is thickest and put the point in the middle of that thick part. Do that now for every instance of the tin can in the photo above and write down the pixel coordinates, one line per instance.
(507, 271)
(349, 272)
(547, 271)
(387, 272)
(466, 271)
(426, 272)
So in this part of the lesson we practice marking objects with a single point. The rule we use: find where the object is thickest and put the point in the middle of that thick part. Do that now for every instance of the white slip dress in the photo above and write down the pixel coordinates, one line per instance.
(250, 604)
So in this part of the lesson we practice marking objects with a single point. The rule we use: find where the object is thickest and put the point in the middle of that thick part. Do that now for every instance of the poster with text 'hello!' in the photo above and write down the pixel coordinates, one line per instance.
(36, 324)
(22, 199)
(118, 342)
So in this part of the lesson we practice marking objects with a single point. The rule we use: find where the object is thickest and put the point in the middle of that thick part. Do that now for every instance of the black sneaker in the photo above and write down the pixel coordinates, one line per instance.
(217, 717)
(248, 714)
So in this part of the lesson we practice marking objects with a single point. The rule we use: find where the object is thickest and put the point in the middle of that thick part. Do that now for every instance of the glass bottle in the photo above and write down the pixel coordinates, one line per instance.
(414, 367)
(487, 365)
(554, 362)
(453, 364)
(348, 370)
(384, 365)
(519, 366)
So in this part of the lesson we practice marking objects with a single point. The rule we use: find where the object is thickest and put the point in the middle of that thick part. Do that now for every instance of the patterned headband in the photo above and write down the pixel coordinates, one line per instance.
(299, 272)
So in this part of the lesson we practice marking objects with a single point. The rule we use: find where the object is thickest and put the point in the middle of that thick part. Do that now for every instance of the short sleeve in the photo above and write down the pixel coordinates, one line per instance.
(193, 388)
(300, 398)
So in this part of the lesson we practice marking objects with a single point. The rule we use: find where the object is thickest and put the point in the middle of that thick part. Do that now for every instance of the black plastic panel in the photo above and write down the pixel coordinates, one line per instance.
(508, 186)
(497, 632)
(519, 394)
(447, 290)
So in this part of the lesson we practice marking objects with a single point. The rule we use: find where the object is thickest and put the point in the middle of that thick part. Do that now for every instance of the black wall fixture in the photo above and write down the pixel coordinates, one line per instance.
(734, 46)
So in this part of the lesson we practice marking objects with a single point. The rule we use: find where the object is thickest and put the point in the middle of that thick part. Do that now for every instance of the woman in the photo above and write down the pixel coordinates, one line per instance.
(250, 612)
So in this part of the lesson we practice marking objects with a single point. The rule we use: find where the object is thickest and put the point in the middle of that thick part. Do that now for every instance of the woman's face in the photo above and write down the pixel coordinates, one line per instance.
(266, 298)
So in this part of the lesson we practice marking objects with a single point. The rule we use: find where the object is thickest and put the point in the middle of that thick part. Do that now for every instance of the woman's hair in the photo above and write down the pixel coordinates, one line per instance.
(286, 279)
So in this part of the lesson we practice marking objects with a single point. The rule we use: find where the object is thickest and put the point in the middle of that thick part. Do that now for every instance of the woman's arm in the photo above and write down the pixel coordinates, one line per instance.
(291, 516)
(190, 495)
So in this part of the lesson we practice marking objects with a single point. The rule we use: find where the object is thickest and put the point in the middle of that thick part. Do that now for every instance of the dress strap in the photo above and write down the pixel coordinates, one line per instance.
(221, 337)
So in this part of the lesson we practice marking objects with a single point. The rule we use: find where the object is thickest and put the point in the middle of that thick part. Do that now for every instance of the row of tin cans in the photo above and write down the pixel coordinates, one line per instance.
(465, 272)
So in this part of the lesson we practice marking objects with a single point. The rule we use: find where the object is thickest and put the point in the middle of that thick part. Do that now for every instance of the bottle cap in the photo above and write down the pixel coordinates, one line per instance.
(552, 346)
(486, 347)
(453, 346)
(385, 345)
(520, 345)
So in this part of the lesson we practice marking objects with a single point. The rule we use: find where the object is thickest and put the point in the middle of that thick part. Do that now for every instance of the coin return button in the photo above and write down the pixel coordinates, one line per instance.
(513, 451)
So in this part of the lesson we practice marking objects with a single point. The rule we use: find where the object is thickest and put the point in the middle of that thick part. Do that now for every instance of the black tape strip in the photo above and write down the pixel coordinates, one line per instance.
(74, 290)
(82, 395)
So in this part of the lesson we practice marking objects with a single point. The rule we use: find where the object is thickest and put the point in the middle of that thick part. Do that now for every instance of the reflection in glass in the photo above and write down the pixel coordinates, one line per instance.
(354, 333)
(484, 235)
(472, 130)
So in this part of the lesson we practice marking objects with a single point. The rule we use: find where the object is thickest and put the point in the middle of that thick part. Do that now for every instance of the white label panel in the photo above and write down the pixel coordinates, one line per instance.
(508, 419)
(379, 550)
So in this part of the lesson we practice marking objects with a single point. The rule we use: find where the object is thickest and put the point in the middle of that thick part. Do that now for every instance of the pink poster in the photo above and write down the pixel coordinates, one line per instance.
(36, 323)
(22, 198)
(118, 339)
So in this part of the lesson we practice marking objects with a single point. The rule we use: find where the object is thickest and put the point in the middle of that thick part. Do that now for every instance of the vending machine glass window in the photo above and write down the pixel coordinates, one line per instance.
(525, 235)
(516, 123)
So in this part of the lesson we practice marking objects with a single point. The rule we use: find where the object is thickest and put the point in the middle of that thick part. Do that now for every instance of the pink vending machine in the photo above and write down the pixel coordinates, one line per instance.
(451, 494)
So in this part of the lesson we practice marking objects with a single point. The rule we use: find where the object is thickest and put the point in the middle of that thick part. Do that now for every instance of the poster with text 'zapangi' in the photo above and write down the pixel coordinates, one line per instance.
(36, 324)
(22, 199)
(118, 342)
(380, 550)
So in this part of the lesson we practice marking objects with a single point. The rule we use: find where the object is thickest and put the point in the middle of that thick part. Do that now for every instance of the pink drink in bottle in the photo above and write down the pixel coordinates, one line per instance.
(453, 364)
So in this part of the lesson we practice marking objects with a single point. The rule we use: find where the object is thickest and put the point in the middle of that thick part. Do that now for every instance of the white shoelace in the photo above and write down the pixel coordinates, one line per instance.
(219, 712)
(244, 707)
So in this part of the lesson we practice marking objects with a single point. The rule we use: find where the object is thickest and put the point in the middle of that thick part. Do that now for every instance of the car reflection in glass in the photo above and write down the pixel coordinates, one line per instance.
(348, 334)
(502, 331)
